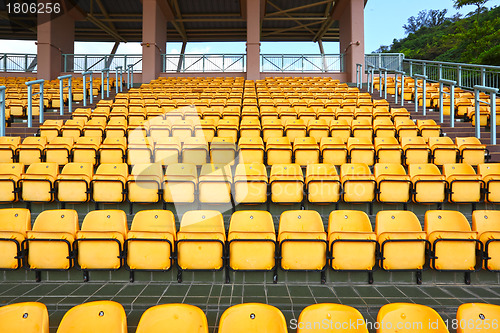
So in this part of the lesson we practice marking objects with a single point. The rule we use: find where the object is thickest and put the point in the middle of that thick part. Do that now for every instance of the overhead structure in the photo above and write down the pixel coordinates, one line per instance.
(151, 21)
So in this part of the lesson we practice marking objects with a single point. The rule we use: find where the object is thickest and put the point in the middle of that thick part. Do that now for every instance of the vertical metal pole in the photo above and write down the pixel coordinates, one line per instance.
(424, 97)
(65, 60)
(102, 84)
(379, 83)
(84, 90)
(85, 64)
(402, 89)
(128, 77)
(493, 118)
(459, 76)
(30, 107)
(416, 94)
(61, 97)
(396, 90)
(40, 117)
(132, 77)
(476, 115)
(440, 67)
(424, 69)
(2, 111)
(91, 89)
(411, 68)
(107, 83)
(116, 81)
(452, 105)
(121, 79)
(483, 76)
(385, 83)
(441, 111)
(70, 95)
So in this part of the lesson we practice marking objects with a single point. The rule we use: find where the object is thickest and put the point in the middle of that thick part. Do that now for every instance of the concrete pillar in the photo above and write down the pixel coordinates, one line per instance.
(352, 35)
(55, 37)
(253, 39)
(154, 39)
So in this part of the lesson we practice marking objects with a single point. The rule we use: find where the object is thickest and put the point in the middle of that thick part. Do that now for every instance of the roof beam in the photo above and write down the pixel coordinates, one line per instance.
(180, 28)
(3, 14)
(281, 11)
(289, 17)
(106, 15)
(273, 32)
(327, 24)
(104, 27)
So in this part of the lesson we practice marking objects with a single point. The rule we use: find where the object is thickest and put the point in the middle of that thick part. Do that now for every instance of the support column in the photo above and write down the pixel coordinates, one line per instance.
(55, 37)
(352, 35)
(154, 39)
(253, 39)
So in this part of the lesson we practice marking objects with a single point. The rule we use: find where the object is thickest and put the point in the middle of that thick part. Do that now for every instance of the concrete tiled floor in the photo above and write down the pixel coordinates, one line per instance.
(214, 298)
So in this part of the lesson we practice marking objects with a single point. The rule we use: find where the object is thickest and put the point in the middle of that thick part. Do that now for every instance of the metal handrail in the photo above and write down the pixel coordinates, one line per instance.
(402, 81)
(2, 110)
(30, 96)
(85, 74)
(384, 70)
(493, 116)
(61, 93)
(359, 75)
(370, 72)
(105, 70)
(424, 101)
(452, 100)
(119, 69)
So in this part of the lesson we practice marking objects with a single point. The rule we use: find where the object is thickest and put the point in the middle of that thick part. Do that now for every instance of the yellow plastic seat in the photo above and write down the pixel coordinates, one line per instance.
(490, 174)
(195, 151)
(383, 127)
(443, 149)
(484, 316)
(159, 128)
(100, 240)
(471, 150)
(361, 150)
(330, 317)
(458, 253)
(98, 316)
(287, 183)
(228, 128)
(181, 318)
(26, 317)
(333, 151)
(85, 149)
(295, 128)
(167, 150)
(388, 150)
(250, 183)
(182, 129)
(113, 150)
(322, 183)
(401, 239)
(50, 243)
(58, 150)
(415, 150)
(201, 240)
(73, 183)
(279, 151)
(151, 241)
(37, 184)
(340, 128)
(109, 182)
(252, 317)
(428, 185)
(486, 224)
(318, 129)
(31, 150)
(251, 150)
(140, 150)
(116, 127)
(362, 128)
(271, 128)
(10, 173)
(393, 185)
(306, 151)
(352, 241)
(303, 241)
(205, 129)
(358, 183)
(145, 182)
(14, 223)
(51, 128)
(96, 126)
(409, 318)
(428, 128)
(405, 127)
(222, 151)
(463, 183)
(181, 183)
(215, 183)
(8, 147)
(251, 241)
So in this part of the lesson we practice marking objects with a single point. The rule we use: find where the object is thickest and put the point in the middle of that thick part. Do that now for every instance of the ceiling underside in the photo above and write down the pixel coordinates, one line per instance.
(190, 21)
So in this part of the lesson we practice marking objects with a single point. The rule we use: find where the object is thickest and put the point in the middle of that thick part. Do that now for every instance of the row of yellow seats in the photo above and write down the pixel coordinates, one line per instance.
(109, 316)
(446, 243)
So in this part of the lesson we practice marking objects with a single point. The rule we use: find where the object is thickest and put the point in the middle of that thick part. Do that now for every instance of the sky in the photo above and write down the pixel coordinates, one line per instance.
(384, 20)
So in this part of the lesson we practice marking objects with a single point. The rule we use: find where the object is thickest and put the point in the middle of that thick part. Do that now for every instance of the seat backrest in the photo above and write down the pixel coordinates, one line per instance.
(10, 140)
(62, 140)
(467, 141)
(179, 318)
(321, 170)
(338, 315)
(445, 220)
(396, 221)
(423, 169)
(414, 318)
(27, 317)
(485, 220)
(118, 141)
(89, 140)
(216, 170)
(57, 220)
(147, 169)
(458, 169)
(253, 169)
(488, 169)
(15, 169)
(112, 169)
(35, 140)
(412, 140)
(75, 168)
(388, 169)
(202, 221)
(106, 220)
(480, 313)
(348, 221)
(353, 169)
(154, 220)
(301, 221)
(286, 170)
(43, 168)
(252, 317)
(358, 141)
(251, 221)
(440, 140)
(98, 316)
(182, 169)
(386, 141)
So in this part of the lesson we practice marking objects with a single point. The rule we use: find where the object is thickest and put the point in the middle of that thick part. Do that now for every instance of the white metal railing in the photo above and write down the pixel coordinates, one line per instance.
(98, 62)
(493, 116)
(2, 110)
(91, 97)
(391, 61)
(30, 101)
(183, 63)
(451, 84)
(17, 62)
(104, 71)
(119, 77)
(466, 75)
(417, 77)
(359, 75)
(328, 63)
(61, 93)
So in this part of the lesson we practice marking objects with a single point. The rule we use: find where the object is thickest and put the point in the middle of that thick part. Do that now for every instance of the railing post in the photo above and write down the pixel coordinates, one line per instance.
(411, 68)
(440, 68)
(107, 83)
(91, 88)
(459, 75)
(2, 110)
(116, 80)
(25, 62)
(5, 62)
(379, 82)
(476, 113)
(85, 64)
(402, 88)
(493, 117)
(424, 102)
(30, 107)
(61, 94)
(452, 104)
(483, 76)
(85, 87)
(40, 117)
(385, 82)
(30, 101)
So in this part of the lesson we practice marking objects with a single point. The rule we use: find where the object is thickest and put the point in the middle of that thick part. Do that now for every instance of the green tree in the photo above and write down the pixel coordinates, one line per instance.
(479, 3)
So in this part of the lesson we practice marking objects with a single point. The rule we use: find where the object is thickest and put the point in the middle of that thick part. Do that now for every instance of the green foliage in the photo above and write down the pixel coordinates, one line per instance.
(468, 40)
